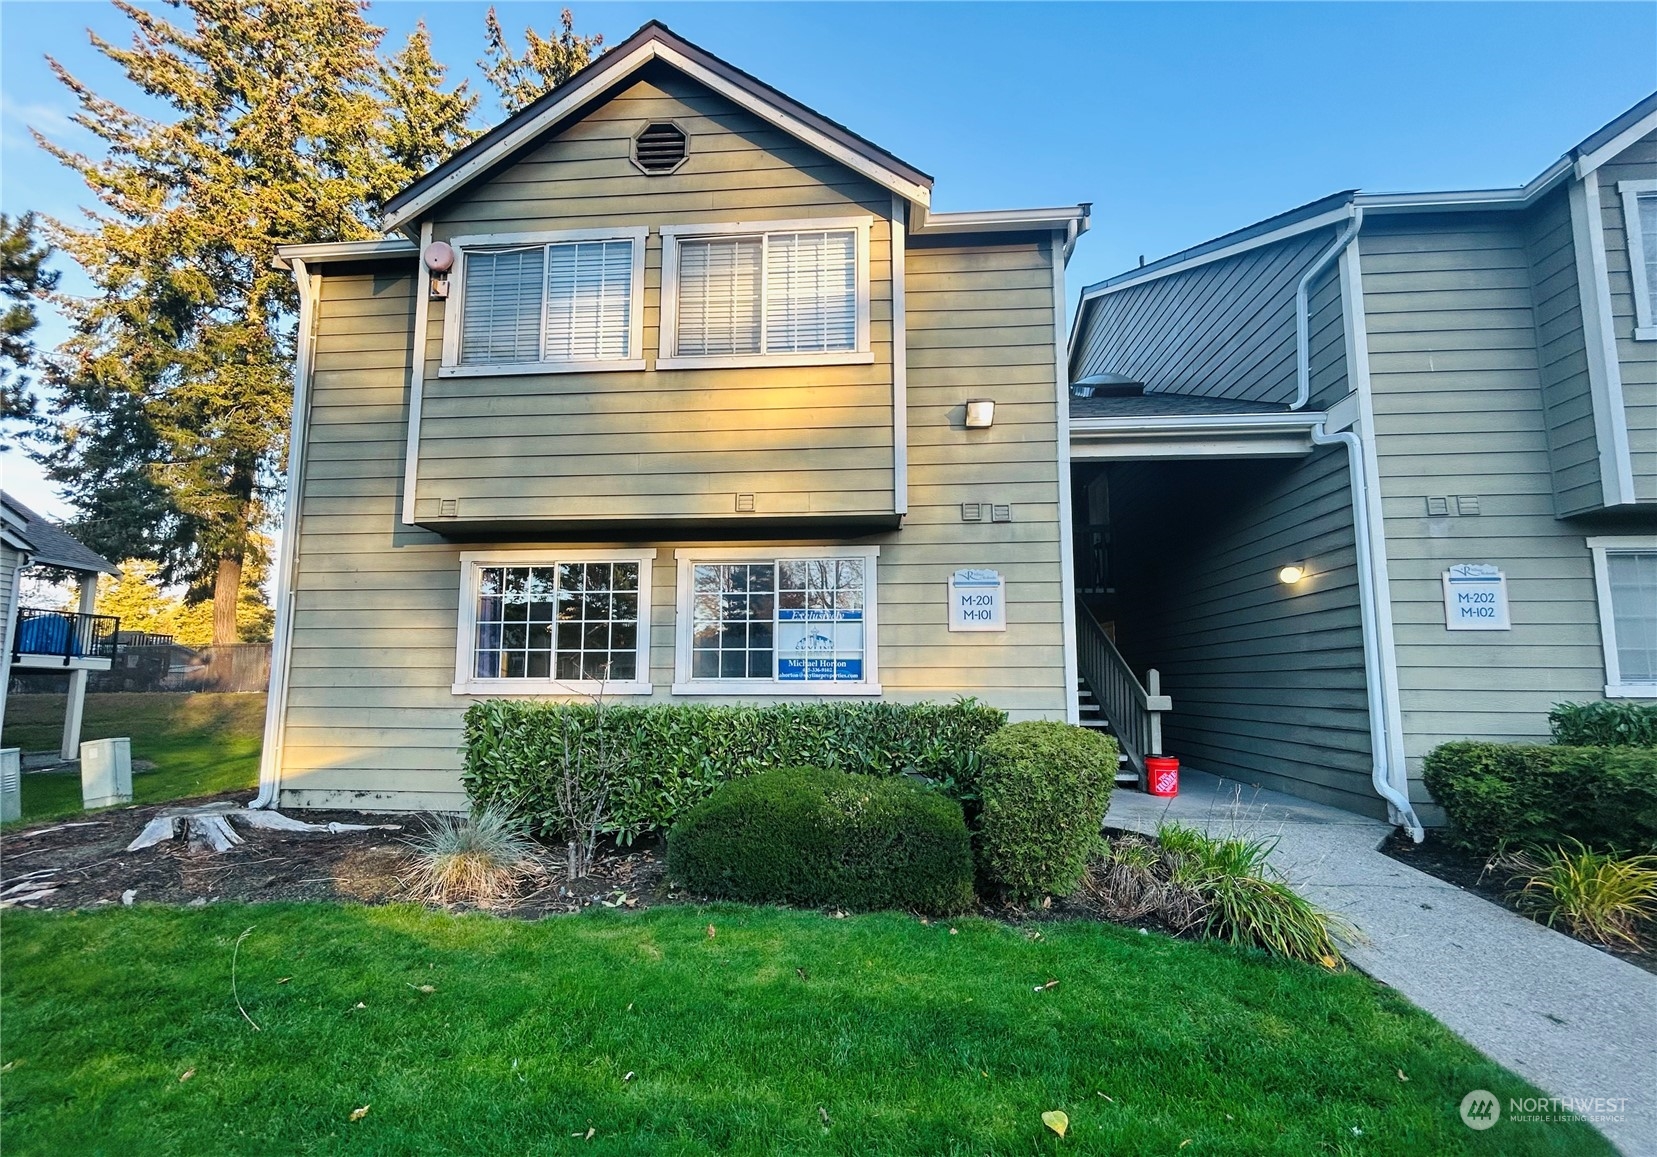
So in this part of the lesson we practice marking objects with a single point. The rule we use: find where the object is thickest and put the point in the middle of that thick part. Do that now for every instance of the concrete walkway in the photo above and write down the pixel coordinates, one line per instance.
(1572, 1020)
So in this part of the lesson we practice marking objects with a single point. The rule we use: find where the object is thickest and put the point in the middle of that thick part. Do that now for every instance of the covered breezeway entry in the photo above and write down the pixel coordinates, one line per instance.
(1220, 617)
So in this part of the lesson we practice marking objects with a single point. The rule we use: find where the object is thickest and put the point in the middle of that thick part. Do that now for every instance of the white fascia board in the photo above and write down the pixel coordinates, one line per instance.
(613, 74)
(1468, 199)
(1321, 221)
(1001, 220)
(346, 250)
(1175, 424)
(1588, 162)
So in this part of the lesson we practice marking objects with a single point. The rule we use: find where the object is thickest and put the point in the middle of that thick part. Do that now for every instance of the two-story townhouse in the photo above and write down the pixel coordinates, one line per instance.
(669, 389)
(1378, 473)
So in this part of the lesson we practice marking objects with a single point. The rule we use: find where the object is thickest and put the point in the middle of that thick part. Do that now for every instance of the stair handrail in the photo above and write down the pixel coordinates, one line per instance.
(1133, 709)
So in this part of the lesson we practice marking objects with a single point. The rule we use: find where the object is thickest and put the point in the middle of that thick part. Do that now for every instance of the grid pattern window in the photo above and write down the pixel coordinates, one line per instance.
(733, 623)
(566, 621)
(1633, 581)
(563, 302)
(772, 293)
(788, 620)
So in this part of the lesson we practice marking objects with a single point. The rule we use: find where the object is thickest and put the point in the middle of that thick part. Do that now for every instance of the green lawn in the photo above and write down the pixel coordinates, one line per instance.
(911, 1039)
(200, 744)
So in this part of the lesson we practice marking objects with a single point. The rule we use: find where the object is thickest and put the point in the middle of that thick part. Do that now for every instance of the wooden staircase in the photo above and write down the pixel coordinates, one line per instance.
(1092, 716)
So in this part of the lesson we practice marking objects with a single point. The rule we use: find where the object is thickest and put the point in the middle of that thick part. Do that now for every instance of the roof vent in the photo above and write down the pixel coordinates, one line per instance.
(660, 148)
(1106, 385)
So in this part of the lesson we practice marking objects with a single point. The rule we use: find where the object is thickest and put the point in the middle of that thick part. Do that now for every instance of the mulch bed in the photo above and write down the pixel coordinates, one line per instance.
(88, 866)
(1471, 872)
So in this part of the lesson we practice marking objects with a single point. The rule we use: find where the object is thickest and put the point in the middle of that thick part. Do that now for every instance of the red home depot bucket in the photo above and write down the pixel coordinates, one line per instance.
(1162, 775)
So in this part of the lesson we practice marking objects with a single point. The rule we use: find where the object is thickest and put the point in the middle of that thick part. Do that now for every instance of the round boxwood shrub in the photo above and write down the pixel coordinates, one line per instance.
(805, 835)
(1045, 787)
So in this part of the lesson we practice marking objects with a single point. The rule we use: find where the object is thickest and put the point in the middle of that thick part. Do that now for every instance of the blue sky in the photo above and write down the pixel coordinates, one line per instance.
(1178, 121)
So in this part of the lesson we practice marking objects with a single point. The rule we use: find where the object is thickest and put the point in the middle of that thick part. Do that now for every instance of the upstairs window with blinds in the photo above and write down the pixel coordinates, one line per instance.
(563, 302)
(768, 293)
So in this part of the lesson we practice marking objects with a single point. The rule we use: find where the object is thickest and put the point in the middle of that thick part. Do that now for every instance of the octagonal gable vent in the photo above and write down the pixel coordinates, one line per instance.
(660, 148)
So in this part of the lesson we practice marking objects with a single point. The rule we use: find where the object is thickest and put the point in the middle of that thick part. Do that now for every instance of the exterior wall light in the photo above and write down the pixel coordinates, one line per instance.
(980, 414)
(439, 258)
(1291, 574)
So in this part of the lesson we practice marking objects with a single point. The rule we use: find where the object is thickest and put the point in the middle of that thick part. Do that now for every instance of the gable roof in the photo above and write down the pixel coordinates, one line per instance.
(48, 544)
(655, 41)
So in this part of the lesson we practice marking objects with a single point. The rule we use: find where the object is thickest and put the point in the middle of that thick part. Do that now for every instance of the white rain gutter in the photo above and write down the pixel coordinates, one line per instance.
(281, 648)
(1303, 307)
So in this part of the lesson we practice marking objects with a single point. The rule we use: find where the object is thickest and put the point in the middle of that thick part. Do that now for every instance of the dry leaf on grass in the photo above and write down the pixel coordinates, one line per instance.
(1401, 1075)
(283, 979)
(186, 1075)
(359, 1114)
(426, 988)
(711, 932)
(1057, 1120)
(1045, 987)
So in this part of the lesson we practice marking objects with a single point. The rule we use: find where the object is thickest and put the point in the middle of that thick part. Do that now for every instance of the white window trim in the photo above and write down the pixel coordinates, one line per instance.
(454, 306)
(467, 684)
(668, 358)
(688, 557)
(1615, 688)
(1645, 319)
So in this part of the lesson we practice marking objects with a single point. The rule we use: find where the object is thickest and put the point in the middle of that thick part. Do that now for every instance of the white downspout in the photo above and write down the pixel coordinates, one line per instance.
(1303, 306)
(281, 647)
(1379, 744)
(1363, 510)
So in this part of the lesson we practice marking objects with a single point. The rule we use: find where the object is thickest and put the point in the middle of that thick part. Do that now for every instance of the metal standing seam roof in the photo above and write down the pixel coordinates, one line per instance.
(51, 545)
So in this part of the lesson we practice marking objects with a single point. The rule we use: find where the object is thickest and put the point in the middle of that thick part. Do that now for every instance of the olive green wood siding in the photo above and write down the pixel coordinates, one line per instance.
(371, 719)
(1562, 359)
(1637, 359)
(675, 443)
(1224, 330)
(1458, 411)
(1267, 680)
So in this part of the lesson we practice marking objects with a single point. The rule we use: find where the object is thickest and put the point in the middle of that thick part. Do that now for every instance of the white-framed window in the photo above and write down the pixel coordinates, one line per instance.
(770, 293)
(1639, 212)
(776, 621)
(554, 622)
(1625, 575)
(542, 303)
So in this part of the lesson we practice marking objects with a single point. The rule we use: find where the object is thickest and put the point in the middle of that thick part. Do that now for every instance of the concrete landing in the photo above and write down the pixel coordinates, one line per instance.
(1572, 1020)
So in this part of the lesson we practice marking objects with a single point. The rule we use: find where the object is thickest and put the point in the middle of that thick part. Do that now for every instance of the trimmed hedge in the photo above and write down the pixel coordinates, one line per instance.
(671, 757)
(1045, 788)
(809, 836)
(1604, 724)
(1531, 796)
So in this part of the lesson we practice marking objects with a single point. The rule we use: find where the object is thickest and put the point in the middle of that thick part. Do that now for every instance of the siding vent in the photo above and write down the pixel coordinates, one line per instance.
(745, 503)
(1001, 514)
(1438, 507)
(972, 512)
(448, 507)
(660, 148)
(1467, 504)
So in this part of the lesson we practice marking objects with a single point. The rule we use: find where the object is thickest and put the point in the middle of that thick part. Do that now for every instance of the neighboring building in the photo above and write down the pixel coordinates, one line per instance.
(48, 639)
(660, 390)
(1479, 371)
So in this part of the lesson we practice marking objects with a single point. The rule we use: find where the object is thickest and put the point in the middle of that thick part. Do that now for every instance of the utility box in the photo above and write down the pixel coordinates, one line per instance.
(11, 784)
(106, 772)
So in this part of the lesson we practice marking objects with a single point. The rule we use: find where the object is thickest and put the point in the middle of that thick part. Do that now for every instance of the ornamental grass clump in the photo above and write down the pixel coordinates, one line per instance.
(1216, 888)
(1598, 896)
(482, 858)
